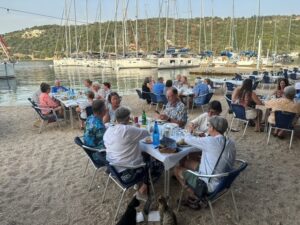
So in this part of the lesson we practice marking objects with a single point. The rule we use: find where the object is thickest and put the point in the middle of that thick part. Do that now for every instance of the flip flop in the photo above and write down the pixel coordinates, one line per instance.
(191, 205)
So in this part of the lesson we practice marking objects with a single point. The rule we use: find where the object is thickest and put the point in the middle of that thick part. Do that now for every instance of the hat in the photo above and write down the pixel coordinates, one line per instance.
(219, 123)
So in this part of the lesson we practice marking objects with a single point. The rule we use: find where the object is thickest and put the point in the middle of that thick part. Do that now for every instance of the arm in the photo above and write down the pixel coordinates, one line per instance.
(256, 99)
(235, 94)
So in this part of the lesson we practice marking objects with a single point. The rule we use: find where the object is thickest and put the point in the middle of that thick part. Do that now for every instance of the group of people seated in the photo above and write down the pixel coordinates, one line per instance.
(200, 89)
(283, 100)
(93, 91)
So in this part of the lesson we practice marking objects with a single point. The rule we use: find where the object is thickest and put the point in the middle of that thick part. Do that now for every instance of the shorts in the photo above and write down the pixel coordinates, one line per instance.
(190, 178)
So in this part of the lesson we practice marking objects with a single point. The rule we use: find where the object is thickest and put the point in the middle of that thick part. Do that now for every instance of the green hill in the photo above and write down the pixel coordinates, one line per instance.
(44, 41)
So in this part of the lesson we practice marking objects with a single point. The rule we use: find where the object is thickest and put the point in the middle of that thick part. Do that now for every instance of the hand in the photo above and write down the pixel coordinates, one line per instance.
(202, 134)
(191, 127)
(163, 117)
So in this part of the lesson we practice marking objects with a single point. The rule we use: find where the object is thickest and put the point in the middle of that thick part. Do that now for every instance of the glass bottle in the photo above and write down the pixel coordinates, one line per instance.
(155, 135)
(144, 118)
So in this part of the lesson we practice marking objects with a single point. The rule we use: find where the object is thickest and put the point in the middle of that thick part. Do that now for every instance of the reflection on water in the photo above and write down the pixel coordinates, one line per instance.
(29, 75)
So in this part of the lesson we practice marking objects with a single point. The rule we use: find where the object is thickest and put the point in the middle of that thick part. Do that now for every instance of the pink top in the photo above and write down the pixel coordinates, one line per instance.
(47, 102)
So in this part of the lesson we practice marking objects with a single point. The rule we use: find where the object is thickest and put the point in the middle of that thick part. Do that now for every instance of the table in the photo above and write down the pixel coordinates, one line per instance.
(169, 160)
(69, 103)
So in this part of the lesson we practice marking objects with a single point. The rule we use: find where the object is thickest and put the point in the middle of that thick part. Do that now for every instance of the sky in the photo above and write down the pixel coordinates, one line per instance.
(11, 20)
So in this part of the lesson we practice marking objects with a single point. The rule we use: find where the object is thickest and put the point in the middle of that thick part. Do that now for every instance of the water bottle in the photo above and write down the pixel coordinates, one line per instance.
(144, 118)
(155, 135)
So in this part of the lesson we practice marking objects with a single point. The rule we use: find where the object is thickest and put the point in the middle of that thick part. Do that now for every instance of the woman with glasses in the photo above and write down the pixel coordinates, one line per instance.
(199, 124)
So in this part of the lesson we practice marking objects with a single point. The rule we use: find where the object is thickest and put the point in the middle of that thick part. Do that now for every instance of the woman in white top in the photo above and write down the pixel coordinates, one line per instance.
(106, 90)
(113, 103)
(97, 91)
(199, 124)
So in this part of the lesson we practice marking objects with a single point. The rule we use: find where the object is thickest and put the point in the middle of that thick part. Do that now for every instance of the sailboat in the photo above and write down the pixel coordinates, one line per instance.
(7, 63)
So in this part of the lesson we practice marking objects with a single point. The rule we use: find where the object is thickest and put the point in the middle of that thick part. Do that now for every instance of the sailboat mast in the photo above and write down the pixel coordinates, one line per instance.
(174, 23)
(136, 28)
(211, 27)
(289, 34)
(115, 29)
(204, 27)
(66, 28)
(200, 25)
(160, 4)
(146, 29)
(87, 25)
(247, 30)
(188, 23)
(75, 17)
(100, 29)
(166, 31)
(256, 23)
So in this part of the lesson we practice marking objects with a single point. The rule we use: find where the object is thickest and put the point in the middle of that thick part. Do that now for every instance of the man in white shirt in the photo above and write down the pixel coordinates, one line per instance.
(212, 147)
(199, 124)
(122, 142)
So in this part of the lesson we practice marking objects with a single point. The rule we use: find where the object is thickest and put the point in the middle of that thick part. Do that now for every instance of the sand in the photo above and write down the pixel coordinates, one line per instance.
(42, 178)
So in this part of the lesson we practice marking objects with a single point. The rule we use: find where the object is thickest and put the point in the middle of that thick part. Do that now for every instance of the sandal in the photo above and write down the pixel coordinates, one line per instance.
(188, 203)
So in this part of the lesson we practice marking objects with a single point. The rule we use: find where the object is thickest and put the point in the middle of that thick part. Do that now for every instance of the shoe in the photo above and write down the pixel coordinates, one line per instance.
(191, 204)
(37, 123)
(141, 197)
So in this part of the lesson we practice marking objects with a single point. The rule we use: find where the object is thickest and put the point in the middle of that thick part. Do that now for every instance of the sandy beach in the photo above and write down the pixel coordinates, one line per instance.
(42, 180)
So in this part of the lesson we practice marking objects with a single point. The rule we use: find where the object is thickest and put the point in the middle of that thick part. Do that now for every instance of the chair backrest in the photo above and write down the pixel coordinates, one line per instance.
(32, 102)
(153, 97)
(229, 86)
(208, 97)
(239, 111)
(266, 79)
(228, 99)
(98, 159)
(39, 112)
(255, 85)
(255, 72)
(139, 92)
(238, 77)
(226, 181)
(293, 76)
(253, 78)
(200, 100)
(284, 120)
(164, 99)
(89, 111)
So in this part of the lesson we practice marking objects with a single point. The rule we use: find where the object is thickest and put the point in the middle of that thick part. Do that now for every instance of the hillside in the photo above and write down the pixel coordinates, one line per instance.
(43, 41)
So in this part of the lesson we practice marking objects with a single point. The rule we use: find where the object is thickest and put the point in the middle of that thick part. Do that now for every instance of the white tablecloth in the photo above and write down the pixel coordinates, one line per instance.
(169, 160)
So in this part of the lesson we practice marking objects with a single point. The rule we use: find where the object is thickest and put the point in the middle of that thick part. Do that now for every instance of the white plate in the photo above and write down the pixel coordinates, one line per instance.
(146, 142)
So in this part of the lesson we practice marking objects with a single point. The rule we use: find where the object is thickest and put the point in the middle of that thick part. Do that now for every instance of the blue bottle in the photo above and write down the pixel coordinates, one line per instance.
(155, 135)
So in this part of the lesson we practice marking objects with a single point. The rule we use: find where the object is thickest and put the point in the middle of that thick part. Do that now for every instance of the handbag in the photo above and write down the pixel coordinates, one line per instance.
(201, 189)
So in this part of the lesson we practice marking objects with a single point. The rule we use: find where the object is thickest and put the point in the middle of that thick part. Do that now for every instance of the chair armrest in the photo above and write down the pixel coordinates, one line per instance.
(128, 166)
(93, 149)
(208, 176)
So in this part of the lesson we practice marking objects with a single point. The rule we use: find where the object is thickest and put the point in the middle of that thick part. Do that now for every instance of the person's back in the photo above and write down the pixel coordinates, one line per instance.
(122, 140)
(200, 90)
(94, 128)
(158, 88)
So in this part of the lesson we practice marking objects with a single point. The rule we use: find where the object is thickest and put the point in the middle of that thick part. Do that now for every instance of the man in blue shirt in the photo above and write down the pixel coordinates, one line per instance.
(58, 87)
(158, 88)
(200, 91)
(95, 129)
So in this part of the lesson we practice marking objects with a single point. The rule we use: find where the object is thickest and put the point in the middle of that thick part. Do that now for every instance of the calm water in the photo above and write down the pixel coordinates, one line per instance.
(29, 75)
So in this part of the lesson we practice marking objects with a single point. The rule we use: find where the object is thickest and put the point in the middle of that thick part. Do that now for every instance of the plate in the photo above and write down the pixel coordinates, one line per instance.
(146, 140)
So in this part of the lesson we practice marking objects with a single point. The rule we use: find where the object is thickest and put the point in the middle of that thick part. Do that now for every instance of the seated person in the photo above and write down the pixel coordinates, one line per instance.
(246, 97)
(113, 103)
(184, 82)
(88, 85)
(286, 103)
(122, 143)
(47, 103)
(281, 84)
(82, 107)
(213, 147)
(177, 82)
(209, 85)
(200, 91)
(97, 91)
(169, 85)
(158, 88)
(175, 110)
(58, 87)
(200, 122)
(146, 89)
(106, 90)
(36, 95)
(94, 127)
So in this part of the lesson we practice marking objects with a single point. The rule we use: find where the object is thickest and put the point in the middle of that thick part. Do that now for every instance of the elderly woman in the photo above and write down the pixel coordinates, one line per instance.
(286, 103)
(113, 103)
(281, 84)
(246, 97)
(96, 89)
(47, 103)
(200, 123)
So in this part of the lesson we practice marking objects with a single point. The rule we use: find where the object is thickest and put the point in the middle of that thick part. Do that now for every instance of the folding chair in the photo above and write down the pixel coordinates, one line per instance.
(229, 87)
(284, 121)
(140, 95)
(50, 118)
(239, 114)
(226, 180)
(266, 81)
(255, 85)
(202, 100)
(95, 156)
(228, 100)
(293, 76)
(157, 99)
(122, 181)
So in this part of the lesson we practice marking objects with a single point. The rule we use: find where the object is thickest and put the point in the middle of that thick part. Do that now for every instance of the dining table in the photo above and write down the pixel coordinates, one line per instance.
(169, 160)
